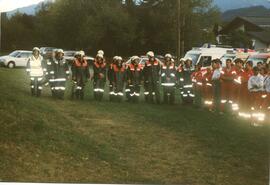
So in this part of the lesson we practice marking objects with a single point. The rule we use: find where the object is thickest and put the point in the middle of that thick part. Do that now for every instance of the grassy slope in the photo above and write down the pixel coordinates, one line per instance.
(65, 141)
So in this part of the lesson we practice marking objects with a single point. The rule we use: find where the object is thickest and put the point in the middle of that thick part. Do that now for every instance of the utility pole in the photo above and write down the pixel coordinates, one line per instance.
(178, 30)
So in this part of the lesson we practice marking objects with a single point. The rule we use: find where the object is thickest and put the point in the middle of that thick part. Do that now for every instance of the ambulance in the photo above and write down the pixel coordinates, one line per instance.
(207, 53)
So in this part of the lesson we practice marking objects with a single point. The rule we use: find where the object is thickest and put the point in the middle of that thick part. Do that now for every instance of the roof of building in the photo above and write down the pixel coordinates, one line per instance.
(262, 21)
(263, 36)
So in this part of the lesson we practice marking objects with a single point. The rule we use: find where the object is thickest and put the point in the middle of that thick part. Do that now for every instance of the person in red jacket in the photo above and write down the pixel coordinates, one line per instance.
(244, 95)
(207, 91)
(80, 75)
(197, 79)
(237, 84)
(228, 74)
(99, 68)
(119, 79)
(134, 79)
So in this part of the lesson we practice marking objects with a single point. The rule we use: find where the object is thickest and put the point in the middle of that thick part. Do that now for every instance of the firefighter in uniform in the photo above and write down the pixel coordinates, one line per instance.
(110, 73)
(134, 78)
(216, 84)
(61, 74)
(207, 89)
(244, 101)
(36, 69)
(187, 92)
(237, 84)
(228, 75)
(168, 80)
(80, 75)
(256, 87)
(50, 70)
(119, 78)
(152, 79)
(99, 68)
(197, 78)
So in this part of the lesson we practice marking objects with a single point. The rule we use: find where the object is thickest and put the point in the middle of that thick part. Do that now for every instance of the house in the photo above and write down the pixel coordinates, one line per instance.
(256, 28)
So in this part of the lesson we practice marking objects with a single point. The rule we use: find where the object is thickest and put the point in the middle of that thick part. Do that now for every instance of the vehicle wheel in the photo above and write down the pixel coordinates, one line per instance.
(11, 65)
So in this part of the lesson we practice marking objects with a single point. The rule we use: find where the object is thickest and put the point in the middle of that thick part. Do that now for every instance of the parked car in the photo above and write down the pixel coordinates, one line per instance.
(143, 60)
(207, 53)
(18, 58)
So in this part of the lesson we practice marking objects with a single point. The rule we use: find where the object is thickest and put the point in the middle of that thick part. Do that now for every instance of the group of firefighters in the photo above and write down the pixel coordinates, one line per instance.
(240, 86)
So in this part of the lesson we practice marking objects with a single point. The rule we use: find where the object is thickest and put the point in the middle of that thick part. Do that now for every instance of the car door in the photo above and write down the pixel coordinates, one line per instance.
(21, 59)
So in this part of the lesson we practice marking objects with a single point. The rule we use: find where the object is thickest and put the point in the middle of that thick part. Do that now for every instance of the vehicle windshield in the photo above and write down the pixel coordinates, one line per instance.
(194, 57)
(255, 60)
(14, 53)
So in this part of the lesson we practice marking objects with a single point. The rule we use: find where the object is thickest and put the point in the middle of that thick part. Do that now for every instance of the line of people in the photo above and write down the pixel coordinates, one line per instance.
(239, 86)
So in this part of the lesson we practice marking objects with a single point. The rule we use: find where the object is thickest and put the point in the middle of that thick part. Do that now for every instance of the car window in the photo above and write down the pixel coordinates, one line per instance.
(23, 55)
(206, 61)
(194, 57)
(14, 53)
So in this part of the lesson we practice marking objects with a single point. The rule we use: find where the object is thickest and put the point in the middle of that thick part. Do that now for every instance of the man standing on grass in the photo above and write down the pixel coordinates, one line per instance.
(168, 80)
(187, 94)
(152, 79)
(99, 68)
(119, 79)
(50, 70)
(110, 73)
(36, 70)
(216, 84)
(244, 101)
(80, 75)
(197, 78)
(61, 73)
(134, 78)
(207, 89)
(256, 87)
(228, 75)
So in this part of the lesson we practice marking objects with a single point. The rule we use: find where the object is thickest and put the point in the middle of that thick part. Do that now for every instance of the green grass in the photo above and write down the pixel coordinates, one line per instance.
(43, 140)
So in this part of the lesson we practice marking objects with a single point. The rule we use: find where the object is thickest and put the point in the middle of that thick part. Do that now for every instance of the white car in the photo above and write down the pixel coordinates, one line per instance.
(18, 58)
(143, 60)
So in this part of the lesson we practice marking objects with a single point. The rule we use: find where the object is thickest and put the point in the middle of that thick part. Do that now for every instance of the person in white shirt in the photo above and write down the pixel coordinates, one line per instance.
(36, 70)
(256, 88)
(216, 65)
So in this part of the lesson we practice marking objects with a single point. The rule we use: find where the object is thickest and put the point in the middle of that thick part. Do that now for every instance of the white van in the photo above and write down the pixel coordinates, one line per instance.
(207, 53)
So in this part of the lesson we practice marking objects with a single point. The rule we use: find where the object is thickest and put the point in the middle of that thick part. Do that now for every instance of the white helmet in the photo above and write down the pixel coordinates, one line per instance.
(150, 54)
(168, 56)
(60, 51)
(36, 49)
(82, 53)
(100, 52)
(183, 59)
(77, 53)
(135, 58)
(119, 58)
(99, 56)
(115, 57)
(190, 59)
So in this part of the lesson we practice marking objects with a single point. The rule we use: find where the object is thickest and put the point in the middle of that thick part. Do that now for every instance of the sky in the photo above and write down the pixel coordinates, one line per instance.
(8, 5)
